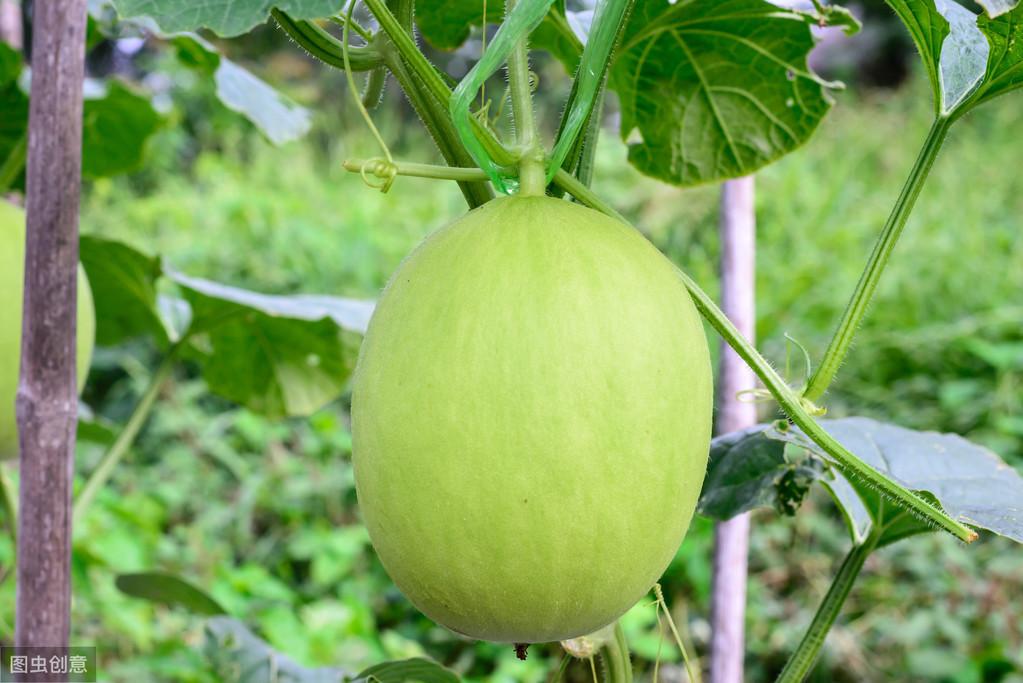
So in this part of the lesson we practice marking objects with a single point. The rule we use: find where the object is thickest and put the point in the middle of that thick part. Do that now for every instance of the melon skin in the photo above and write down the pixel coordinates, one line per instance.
(12, 284)
(531, 417)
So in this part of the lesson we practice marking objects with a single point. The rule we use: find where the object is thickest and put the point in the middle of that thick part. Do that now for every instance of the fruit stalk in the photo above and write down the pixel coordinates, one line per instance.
(531, 168)
(879, 257)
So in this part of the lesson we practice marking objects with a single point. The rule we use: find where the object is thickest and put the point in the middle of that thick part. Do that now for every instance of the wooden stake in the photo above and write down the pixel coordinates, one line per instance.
(47, 402)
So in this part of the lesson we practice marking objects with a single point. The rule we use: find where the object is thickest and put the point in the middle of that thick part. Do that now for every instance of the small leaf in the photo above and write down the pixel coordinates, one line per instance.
(277, 355)
(748, 470)
(715, 89)
(239, 656)
(224, 17)
(417, 669)
(116, 124)
(969, 482)
(168, 589)
(123, 282)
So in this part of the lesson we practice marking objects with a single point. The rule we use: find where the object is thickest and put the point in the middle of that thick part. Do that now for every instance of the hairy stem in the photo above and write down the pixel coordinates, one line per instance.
(119, 448)
(865, 288)
(793, 404)
(324, 46)
(531, 169)
(802, 660)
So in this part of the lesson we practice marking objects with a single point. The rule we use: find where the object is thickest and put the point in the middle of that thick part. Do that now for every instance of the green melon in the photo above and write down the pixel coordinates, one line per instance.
(12, 278)
(531, 416)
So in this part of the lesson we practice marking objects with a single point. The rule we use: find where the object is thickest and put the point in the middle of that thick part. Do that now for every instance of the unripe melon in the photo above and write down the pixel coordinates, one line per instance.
(12, 281)
(531, 415)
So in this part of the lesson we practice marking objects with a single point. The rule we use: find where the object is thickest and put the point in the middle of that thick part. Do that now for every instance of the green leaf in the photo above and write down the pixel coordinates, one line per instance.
(224, 17)
(748, 470)
(123, 282)
(969, 59)
(715, 89)
(117, 123)
(418, 669)
(279, 118)
(969, 482)
(446, 25)
(168, 589)
(14, 122)
(277, 355)
(239, 656)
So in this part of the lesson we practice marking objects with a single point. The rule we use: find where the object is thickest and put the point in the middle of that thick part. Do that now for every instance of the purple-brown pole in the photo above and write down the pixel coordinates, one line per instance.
(731, 538)
(47, 402)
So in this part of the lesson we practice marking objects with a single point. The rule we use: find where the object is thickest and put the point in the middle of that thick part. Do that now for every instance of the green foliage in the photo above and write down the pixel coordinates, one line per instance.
(168, 589)
(715, 90)
(116, 124)
(224, 17)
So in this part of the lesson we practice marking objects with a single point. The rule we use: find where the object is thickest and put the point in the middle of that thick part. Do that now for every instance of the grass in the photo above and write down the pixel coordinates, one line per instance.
(263, 515)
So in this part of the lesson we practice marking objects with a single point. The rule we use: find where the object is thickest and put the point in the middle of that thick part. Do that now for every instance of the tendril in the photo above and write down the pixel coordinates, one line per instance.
(383, 169)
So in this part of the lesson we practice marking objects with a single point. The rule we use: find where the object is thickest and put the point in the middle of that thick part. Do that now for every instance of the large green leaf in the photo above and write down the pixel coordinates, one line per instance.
(446, 24)
(168, 589)
(224, 17)
(969, 482)
(117, 123)
(277, 355)
(715, 89)
(748, 470)
(237, 655)
(969, 59)
(14, 121)
(407, 670)
(123, 282)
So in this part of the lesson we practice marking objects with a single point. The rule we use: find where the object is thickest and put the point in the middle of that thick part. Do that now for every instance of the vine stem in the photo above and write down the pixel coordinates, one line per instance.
(531, 168)
(125, 438)
(803, 659)
(867, 285)
(793, 404)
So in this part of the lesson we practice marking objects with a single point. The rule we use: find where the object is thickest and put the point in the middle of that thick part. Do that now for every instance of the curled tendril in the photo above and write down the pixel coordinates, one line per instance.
(383, 172)
(534, 81)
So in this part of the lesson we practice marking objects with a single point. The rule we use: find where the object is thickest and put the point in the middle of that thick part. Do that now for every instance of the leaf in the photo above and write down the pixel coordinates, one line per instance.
(748, 470)
(14, 105)
(446, 25)
(116, 125)
(279, 118)
(123, 282)
(715, 89)
(168, 589)
(969, 482)
(417, 669)
(224, 17)
(969, 59)
(239, 656)
(277, 355)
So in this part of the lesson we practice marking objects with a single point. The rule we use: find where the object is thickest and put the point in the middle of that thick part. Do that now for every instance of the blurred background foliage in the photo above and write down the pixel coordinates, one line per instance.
(263, 514)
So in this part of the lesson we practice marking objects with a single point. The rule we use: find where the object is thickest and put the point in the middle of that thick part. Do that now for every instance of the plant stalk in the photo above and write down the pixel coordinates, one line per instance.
(793, 404)
(615, 655)
(421, 170)
(867, 285)
(119, 448)
(532, 180)
(802, 660)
